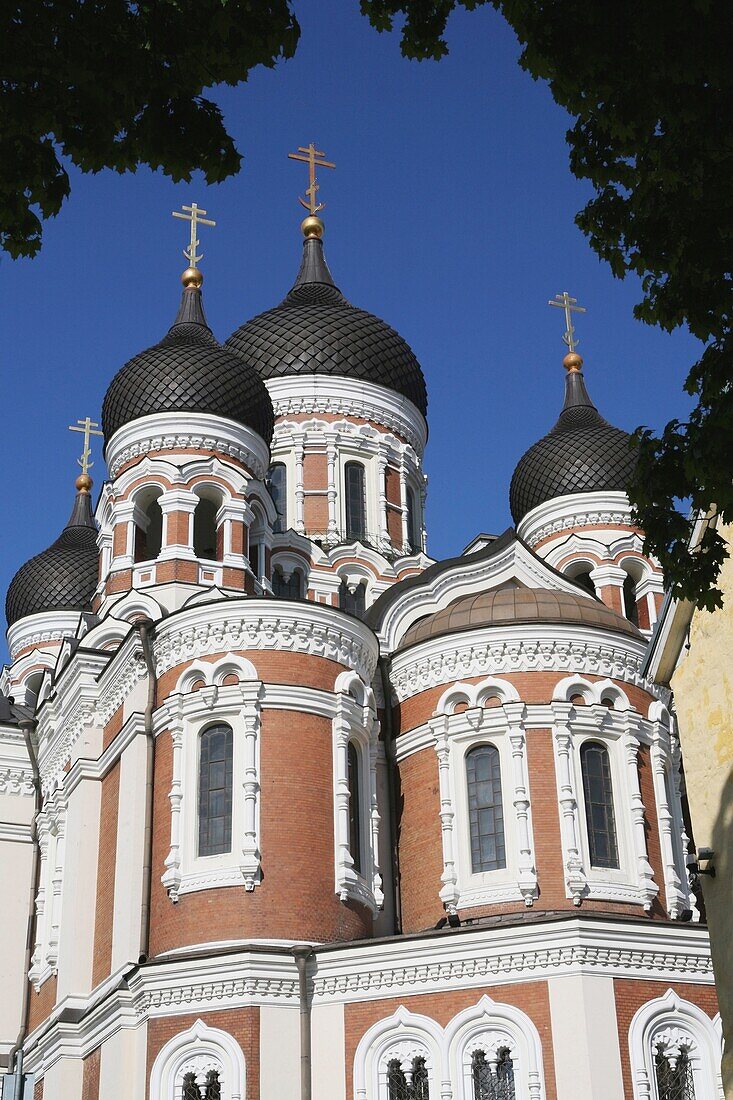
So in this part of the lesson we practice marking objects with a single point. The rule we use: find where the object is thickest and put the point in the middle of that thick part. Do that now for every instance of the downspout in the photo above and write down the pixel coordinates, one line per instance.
(15, 1057)
(145, 628)
(302, 953)
(391, 755)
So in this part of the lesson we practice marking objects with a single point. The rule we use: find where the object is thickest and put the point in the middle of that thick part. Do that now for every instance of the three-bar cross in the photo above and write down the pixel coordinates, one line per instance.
(196, 216)
(89, 428)
(314, 159)
(570, 305)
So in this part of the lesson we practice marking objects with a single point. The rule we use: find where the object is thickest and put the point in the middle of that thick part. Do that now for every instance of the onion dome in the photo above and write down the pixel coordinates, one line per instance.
(188, 371)
(64, 577)
(315, 330)
(510, 605)
(583, 453)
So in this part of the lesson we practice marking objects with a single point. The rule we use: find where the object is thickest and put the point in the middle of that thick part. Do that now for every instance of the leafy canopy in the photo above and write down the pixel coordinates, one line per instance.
(117, 84)
(650, 86)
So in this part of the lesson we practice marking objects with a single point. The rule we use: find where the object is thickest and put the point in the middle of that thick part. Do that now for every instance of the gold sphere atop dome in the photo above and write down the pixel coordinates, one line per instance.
(192, 277)
(83, 483)
(572, 361)
(312, 227)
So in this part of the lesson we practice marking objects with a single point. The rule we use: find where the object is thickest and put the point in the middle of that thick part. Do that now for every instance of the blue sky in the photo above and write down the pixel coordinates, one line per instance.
(450, 215)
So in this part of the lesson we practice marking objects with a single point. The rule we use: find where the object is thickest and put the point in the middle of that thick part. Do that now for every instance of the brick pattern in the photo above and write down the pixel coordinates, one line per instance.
(38, 1090)
(243, 1024)
(530, 997)
(42, 1003)
(272, 667)
(332, 418)
(631, 995)
(90, 1077)
(106, 875)
(113, 727)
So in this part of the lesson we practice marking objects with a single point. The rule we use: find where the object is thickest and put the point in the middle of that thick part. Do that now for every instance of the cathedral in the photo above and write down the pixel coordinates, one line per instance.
(290, 810)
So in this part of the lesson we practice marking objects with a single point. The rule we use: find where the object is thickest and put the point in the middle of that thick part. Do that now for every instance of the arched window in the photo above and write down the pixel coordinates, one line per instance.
(584, 579)
(207, 1089)
(277, 484)
(493, 1077)
(355, 501)
(290, 589)
(410, 1083)
(149, 533)
(595, 766)
(413, 531)
(204, 530)
(355, 838)
(485, 811)
(674, 1075)
(353, 602)
(215, 791)
(256, 544)
(630, 609)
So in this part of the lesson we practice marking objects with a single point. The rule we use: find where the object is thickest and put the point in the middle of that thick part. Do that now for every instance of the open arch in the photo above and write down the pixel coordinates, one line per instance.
(148, 524)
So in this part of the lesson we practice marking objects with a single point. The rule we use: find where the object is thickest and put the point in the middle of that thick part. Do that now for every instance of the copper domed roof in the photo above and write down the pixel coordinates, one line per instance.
(583, 453)
(510, 605)
(188, 371)
(315, 330)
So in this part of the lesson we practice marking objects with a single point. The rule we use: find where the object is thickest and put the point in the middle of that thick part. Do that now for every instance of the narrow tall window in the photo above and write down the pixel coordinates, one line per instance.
(413, 533)
(353, 602)
(148, 538)
(354, 806)
(595, 766)
(204, 530)
(674, 1076)
(630, 609)
(398, 1085)
(355, 501)
(215, 791)
(277, 484)
(290, 589)
(492, 1081)
(485, 810)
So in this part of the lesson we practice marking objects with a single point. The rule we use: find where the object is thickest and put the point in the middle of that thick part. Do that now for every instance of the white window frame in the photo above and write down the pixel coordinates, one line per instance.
(679, 1023)
(196, 1050)
(347, 455)
(51, 825)
(404, 1035)
(355, 722)
(490, 1025)
(187, 714)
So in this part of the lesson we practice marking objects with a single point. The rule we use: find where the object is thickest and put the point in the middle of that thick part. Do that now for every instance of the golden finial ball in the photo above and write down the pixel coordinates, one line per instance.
(192, 277)
(312, 227)
(572, 361)
(83, 483)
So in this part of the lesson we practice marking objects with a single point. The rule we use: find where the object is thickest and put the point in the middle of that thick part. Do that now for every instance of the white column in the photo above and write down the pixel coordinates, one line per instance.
(124, 512)
(299, 487)
(177, 500)
(376, 877)
(341, 728)
(527, 874)
(647, 885)
(171, 877)
(44, 835)
(403, 500)
(449, 891)
(250, 786)
(59, 823)
(676, 776)
(382, 496)
(575, 878)
(333, 526)
(661, 769)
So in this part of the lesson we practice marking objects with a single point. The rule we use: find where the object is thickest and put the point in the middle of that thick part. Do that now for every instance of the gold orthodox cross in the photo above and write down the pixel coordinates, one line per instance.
(89, 428)
(314, 159)
(196, 216)
(570, 305)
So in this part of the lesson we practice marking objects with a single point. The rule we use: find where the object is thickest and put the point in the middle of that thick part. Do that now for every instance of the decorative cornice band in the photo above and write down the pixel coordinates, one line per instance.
(38, 630)
(572, 511)
(187, 431)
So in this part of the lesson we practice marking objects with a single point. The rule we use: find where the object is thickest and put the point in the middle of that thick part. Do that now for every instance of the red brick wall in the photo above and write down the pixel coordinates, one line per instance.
(530, 997)
(38, 1091)
(90, 1078)
(243, 1024)
(42, 1003)
(274, 668)
(106, 866)
(630, 995)
(112, 728)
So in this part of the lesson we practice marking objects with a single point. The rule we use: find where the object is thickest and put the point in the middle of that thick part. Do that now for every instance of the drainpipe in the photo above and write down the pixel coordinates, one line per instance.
(15, 1057)
(145, 628)
(390, 753)
(302, 953)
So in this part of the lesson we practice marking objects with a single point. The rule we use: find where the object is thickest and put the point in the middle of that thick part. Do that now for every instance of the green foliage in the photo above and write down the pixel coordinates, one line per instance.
(650, 86)
(117, 84)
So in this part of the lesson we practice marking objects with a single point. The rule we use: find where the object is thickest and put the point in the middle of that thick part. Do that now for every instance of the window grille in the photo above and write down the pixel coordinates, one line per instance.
(595, 766)
(277, 481)
(215, 791)
(355, 501)
(211, 1088)
(674, 1076)
(485, 810)
(354, 806)
(398, 1085)
(492, 1080)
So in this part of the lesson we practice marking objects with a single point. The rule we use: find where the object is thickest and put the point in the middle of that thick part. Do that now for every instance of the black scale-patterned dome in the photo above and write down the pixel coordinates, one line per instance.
(63, 577)
(315, 330)
(583, 453)
(188, 371)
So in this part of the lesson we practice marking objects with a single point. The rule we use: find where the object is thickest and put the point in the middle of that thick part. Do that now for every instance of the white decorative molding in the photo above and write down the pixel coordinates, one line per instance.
(51, 826)
(490, 1026)
(15, 779)
(197, 1050)
(405, 1036)
(316, 393)
(674, 1025)
(48, 627)
(603, 509)
(498, 650)
(186, 432)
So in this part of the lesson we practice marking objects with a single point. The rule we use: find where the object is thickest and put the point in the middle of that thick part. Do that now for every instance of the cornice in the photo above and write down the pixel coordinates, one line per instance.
(187, 431)
(605, 509)
(39, 630)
